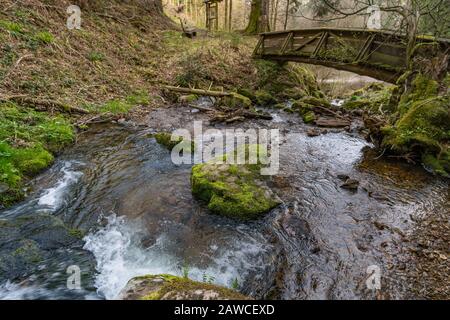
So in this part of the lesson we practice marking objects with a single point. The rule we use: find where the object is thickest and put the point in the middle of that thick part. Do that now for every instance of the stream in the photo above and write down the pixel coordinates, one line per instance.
(115, 206)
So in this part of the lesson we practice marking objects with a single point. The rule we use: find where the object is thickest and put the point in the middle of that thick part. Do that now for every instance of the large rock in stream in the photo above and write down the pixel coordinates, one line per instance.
(169, 287)
(233, 190)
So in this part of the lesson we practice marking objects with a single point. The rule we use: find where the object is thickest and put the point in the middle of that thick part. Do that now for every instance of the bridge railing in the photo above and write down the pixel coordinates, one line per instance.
(381, 54)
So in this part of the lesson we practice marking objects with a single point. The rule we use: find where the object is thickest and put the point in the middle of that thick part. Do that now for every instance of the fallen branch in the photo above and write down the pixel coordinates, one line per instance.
(202, 108)
(45, 103)
(249, 114)
(200, 92)
(238, 115)
(234, 119)
(327, 110)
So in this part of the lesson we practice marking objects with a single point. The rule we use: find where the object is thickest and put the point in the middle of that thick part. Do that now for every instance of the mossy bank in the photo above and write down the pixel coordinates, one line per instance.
(29, 141)
(412, 119)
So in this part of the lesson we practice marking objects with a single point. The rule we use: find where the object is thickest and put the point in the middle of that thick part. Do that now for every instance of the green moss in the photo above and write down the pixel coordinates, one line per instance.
(247, 93)
(309, 117)
(28, 251)
(177, 286)
(237, 100)
(314, 101)
(296, 93)
(165, 139)
(286, 81)
(44, 37)
(122, 105)
(30, 161)
(27, 139)
(115, 107)
(439, 166)
(373, 97)
(422, 88)
(138, 98)
(264, 98)
(95, 56)
(231, 190)
(426, 123)
(12, 27)
(77, 233)
(306, 105)
(423, 125)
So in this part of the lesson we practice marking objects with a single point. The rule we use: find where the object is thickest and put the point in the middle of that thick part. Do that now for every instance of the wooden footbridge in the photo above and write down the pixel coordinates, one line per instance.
(374, 53)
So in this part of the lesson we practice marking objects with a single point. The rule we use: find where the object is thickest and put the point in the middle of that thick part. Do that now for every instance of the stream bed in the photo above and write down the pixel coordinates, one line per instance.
(115, 206)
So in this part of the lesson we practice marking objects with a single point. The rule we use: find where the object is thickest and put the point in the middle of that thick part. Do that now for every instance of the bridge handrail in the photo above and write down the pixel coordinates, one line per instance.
(361, 30)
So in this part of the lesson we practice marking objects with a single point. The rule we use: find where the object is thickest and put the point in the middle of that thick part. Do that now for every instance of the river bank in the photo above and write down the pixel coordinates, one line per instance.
(317, 244)
(105, 198)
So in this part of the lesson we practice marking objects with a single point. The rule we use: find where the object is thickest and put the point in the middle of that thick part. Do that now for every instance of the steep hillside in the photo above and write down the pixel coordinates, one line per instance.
(53, 81)
(49, 75)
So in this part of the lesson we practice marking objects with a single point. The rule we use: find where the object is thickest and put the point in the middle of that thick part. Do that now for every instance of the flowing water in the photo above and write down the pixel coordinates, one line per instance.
(115, 206)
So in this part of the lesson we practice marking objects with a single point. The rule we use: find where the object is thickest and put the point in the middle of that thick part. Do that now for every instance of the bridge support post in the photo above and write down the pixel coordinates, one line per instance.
(259, 45)
(287, 43)
(365, 48)
(322, 40)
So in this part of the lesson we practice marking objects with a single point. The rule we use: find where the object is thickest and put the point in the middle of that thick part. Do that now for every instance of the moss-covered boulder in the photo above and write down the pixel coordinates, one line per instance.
(165, 139)
(232, 190)
(307, 105)
(237, 100)
(169, 287)
(28, 240)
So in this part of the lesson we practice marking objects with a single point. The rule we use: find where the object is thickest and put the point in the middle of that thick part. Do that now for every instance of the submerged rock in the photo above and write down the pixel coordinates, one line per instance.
(313, 132)
(28, 240)
(237, 100)
(350, 184)
(169, 287)
(235, 191)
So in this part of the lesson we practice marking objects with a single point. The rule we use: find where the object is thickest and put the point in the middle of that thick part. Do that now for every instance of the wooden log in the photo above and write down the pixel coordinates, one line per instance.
(332, 123)
(200, 92)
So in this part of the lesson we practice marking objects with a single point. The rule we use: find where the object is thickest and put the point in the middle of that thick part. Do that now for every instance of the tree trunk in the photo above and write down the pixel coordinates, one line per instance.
(275, 15)
(288, 2)
(230, 16)
(225, 21)
(412, 25)
(259, 17)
